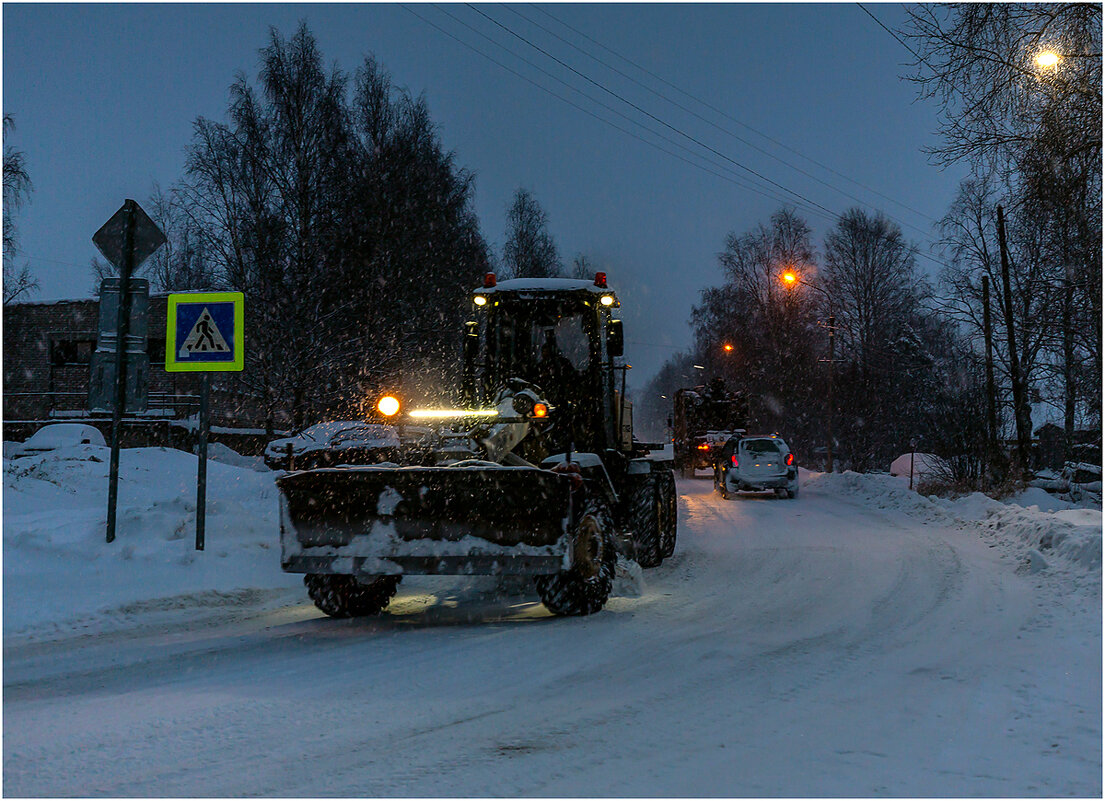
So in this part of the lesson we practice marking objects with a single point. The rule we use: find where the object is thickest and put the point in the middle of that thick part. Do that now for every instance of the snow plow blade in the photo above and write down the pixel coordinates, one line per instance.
(424, 520)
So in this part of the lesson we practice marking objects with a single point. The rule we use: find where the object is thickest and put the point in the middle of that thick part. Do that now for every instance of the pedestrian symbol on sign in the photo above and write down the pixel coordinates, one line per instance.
(204, 338)
(204, 332)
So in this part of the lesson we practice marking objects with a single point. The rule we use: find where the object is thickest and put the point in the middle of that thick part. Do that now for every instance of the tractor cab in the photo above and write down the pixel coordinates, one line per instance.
(559, 334)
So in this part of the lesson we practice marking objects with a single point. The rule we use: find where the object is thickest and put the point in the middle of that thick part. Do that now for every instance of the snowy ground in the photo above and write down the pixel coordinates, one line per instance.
(860, 640)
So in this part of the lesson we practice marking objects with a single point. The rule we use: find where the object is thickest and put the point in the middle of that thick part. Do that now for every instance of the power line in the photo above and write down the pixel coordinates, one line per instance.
(727, 116)
(709, 122)
(666, 124)
(737, 181)
(648, 114)
(895, 35)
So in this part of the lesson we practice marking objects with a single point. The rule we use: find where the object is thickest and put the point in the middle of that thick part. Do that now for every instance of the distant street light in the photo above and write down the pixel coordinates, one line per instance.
(727, 347)
(1047, 59)
(790, 278)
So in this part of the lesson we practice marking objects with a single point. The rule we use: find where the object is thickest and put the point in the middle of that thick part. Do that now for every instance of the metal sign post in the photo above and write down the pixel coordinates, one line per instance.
(122, 323)
(201, 476)
(126, 240)
(205, 334)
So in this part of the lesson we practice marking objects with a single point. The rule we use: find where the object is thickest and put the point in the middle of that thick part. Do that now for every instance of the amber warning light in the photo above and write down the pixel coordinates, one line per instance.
(388, 406)
(540, 410)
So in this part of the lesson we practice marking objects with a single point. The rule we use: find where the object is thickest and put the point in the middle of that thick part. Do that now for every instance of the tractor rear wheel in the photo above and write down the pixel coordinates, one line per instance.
(585, 586)
(346, 596)
(670, 503)
(646, 508)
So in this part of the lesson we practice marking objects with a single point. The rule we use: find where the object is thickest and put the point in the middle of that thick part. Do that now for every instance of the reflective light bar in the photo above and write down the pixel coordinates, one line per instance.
(454, 413)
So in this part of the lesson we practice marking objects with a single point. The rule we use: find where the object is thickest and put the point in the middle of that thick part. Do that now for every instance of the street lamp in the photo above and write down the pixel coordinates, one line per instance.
(790, 278)
(1047, 59)
(727, 347)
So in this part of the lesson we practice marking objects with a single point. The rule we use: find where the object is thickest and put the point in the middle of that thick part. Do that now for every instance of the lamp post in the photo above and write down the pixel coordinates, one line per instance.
(790, 278)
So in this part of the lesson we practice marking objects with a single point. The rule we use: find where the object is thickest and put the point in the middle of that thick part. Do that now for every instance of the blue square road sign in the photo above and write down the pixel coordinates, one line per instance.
(204, 332)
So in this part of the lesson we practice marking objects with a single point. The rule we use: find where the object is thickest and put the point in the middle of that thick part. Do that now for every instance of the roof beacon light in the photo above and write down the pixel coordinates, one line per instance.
(489, 281)
(600, 280)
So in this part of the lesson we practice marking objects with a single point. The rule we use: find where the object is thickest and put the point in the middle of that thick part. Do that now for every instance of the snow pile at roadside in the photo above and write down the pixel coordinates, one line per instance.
(1039, 528)
(61, 574)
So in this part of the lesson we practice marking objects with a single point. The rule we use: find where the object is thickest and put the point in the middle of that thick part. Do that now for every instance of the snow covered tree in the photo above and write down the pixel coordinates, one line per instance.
(530, 251)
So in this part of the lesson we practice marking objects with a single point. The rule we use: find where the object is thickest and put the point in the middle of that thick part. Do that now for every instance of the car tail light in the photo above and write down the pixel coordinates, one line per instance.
(704, 447)
(733, 459)
(790, 459)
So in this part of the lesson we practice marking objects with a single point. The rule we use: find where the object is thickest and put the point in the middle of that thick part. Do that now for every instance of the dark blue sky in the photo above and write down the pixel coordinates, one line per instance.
(104, 97)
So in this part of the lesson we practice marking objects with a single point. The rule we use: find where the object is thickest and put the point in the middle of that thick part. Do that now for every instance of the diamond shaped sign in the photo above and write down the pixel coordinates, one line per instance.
(112, 236)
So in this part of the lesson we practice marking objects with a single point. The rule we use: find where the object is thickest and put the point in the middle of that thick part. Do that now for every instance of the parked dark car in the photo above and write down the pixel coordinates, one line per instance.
(333, 443)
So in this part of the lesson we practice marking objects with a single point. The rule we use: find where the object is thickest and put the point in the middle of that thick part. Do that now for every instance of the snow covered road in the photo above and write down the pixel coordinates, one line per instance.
(822, 646)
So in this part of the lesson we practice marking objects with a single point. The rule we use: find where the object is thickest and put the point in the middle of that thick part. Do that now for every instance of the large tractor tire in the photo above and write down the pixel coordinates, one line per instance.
(584, 588)
(646, 509)
(669, 500)
(346, 596)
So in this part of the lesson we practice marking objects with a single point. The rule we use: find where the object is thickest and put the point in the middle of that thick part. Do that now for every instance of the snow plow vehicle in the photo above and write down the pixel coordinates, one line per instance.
(703, 420)
(535, 472)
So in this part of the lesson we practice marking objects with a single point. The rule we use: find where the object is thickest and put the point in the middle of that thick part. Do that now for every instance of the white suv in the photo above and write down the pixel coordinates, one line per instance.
(756, 464)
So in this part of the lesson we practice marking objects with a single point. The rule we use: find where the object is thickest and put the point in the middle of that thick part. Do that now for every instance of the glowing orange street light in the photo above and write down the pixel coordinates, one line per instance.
(728, 348)
(1047, 59)
(789, 277)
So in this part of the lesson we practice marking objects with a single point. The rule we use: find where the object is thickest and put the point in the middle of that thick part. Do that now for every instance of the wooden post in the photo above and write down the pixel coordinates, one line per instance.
(1019, 400)
(991, 392)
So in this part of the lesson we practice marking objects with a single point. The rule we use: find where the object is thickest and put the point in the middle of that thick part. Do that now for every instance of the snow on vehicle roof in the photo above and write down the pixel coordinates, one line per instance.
(544, 285)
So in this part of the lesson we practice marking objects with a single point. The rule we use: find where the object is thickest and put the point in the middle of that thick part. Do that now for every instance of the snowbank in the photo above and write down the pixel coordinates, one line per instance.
(1037, 526)
(61, 574)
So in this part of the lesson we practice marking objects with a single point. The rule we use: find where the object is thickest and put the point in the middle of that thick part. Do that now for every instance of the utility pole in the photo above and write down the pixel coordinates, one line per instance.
(991, 396)
(1020, 410)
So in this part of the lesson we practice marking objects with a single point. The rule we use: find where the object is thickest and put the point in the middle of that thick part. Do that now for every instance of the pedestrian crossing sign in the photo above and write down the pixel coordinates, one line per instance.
(203, 332)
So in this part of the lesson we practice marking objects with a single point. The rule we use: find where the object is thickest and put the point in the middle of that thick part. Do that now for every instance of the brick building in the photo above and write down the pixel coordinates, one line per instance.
(48, 347)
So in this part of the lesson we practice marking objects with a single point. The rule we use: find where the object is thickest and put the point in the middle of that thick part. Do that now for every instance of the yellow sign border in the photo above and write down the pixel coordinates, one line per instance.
(239, 361)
